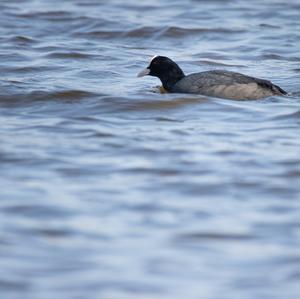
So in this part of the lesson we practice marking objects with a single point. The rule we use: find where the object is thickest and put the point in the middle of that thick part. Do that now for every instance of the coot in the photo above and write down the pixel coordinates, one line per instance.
(218, 83)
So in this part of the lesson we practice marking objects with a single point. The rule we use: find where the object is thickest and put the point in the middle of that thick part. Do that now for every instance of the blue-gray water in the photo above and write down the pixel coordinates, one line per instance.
(112, 190)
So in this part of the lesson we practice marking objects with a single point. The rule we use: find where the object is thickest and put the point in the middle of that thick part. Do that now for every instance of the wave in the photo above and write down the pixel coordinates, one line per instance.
(40, 95)
(71, 55)
(157, 32)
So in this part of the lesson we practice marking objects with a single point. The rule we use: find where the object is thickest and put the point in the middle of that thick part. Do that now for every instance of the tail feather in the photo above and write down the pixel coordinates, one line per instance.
(277, 88)
(268, 84)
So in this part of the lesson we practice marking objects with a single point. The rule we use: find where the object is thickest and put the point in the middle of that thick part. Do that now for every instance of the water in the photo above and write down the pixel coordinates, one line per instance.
(110, 189)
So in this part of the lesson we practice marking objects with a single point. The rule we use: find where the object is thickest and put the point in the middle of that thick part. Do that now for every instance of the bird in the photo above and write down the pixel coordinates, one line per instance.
(215, 83)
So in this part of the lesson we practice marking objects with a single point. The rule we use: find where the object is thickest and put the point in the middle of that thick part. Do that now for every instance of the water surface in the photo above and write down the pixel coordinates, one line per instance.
(110, 189)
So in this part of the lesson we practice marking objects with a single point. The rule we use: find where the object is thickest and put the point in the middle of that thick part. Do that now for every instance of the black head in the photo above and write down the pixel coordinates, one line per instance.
(165, 69)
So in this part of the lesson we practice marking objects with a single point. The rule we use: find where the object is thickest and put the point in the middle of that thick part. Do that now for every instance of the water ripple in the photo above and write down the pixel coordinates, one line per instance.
(112, 189)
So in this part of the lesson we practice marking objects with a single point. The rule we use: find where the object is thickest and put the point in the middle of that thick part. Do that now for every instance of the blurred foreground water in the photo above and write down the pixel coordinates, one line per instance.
(110, 189)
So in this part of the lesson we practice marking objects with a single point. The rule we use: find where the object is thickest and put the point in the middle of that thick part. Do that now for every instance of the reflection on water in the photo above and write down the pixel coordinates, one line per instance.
(110, 189)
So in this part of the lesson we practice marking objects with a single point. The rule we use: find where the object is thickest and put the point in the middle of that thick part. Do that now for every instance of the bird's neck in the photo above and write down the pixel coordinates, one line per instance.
(170, 79)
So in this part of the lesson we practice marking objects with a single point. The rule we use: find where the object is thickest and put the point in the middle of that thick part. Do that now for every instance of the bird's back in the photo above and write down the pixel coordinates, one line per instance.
(226, 84)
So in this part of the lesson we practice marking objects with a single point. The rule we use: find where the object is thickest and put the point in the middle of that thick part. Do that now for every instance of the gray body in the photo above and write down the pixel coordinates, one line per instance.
(226, 84)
